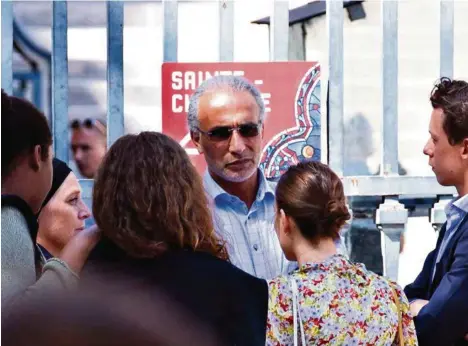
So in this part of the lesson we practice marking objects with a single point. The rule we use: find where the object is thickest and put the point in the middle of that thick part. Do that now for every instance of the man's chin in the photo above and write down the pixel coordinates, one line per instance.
(238, 177)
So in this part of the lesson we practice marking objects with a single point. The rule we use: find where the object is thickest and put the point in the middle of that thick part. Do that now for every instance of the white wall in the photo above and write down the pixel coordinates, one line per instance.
(418, 70)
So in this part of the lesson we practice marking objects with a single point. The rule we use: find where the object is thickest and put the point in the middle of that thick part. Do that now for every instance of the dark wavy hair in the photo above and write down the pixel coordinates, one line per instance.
(451, 96)
(148, 199)
(313, 195)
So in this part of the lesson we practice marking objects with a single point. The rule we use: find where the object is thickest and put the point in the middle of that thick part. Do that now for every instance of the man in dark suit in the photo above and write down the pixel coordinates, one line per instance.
(439, 295)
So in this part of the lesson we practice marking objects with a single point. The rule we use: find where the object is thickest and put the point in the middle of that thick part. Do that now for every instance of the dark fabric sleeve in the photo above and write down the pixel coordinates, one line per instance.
(419, 289)
(444, 320)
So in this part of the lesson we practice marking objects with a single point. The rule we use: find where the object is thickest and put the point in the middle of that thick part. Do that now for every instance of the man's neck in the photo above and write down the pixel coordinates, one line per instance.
(15, 186)
(246, 190)
(462, 189)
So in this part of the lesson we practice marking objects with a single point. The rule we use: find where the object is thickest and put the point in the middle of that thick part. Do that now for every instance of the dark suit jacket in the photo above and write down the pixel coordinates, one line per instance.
(444, 320)
(224, 298)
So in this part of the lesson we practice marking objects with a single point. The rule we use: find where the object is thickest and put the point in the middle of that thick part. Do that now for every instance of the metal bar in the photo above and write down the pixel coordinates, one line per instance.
(279, 31)
(391, 218)
(437, 214)
(334, 18)
(394, 185)
(86, 188)
(7, 46)
(389, 160)
(170, 30)
(446, 37)
(115, 73)
(226, 30)
(60, 80)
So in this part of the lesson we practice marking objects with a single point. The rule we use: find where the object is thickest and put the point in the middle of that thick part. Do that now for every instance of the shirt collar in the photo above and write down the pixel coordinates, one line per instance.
(459, 204)
(266, 188)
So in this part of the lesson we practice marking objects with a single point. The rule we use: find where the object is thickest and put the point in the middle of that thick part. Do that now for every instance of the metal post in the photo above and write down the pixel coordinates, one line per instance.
(226, 30)
(115, 116)
(60, 79)
(170, 30)
(334, 18)
(7, 46)
(389, 162)
(391, 218)
(446, 37)
(438, 216)
(279, 31)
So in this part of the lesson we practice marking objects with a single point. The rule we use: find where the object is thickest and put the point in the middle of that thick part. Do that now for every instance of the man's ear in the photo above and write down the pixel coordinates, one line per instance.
(35, 158)
(195, 135)
(464, 149)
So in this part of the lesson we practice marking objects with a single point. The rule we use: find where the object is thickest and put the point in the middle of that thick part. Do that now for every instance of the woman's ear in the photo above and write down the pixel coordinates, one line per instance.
(285, 223)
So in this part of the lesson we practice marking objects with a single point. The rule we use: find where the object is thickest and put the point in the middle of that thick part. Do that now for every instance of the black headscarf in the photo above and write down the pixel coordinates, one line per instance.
(61, 172)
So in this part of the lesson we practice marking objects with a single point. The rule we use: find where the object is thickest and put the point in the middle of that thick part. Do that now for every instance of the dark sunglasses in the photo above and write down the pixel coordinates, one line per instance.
(223, 133)
(87, 123)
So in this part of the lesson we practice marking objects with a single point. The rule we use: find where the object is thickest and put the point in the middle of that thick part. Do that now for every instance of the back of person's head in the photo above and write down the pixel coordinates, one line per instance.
(88, 317)
(24, 128)
(148, 198)
(451, 96)
(313, 196)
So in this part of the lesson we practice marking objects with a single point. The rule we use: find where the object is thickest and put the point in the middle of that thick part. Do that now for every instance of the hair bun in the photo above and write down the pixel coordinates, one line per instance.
(336, 213)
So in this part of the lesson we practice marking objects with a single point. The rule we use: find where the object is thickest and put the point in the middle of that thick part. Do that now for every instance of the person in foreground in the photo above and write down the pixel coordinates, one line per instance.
(439, 295)
(150, 204)
(328, 300)
(63, 212)
(26, 180)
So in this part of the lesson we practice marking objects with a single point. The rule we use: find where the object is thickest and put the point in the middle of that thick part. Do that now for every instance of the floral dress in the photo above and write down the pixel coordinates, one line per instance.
(339, 303)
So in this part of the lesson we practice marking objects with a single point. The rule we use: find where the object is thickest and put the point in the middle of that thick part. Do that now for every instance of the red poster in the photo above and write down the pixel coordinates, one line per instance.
(290, 90)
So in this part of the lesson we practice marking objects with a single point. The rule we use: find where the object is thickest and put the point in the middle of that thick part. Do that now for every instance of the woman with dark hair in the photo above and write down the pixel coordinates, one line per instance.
(328, 300)
(150, 205)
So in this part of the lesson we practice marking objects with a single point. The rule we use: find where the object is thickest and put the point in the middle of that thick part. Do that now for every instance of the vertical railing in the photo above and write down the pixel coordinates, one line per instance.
(334, 19)
(115, 71)
(115, 92)
(7, 46)
(226, 30)
(279, 31)
(391, 216)
(170, 41)
(447, 11)
(60, 79)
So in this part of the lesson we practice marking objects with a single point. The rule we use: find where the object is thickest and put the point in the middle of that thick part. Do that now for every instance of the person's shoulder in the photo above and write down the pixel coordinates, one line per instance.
(12, 216)
(212, 265)
(17, 214)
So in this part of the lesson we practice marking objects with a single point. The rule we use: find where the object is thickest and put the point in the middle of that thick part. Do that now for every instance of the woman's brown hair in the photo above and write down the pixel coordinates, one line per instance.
(148, 198)
(313, 196)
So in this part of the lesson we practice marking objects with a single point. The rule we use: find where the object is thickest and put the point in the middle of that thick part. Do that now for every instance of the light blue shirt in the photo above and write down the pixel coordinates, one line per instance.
(456, 211)
(251, 240)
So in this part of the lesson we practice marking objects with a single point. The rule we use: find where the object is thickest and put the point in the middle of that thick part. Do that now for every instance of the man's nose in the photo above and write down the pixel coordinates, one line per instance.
(78, 154)
(428, 148)
(236, 143)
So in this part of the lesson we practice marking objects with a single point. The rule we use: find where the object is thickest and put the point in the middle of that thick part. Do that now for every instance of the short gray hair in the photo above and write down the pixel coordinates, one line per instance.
(234, 83)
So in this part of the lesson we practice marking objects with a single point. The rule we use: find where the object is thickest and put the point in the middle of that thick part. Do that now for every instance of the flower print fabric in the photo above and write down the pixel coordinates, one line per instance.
(340, 303)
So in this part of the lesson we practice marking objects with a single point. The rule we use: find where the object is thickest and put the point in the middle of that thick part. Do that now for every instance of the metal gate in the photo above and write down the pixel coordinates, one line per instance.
(391, 216)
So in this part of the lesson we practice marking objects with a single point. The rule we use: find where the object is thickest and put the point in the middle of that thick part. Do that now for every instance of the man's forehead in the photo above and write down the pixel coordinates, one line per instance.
(84, 134)
(223, 104)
